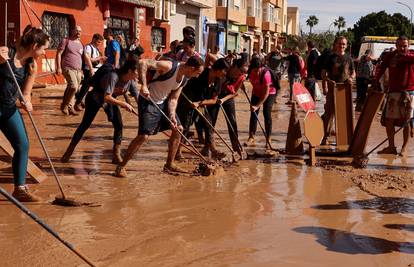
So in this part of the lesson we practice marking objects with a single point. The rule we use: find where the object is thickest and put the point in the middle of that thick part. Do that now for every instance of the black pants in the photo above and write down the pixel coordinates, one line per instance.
(84, 88)
(362, 88)
(210, 113)
(230, 109)
(91, 109)
(267, 115)
(310, 84)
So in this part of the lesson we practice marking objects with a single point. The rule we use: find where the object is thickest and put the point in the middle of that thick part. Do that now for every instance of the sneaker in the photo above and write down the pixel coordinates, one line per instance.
(172, 168)
(120, 172)
(388, 150)
(22, 194)
(250, 142)
(78, 107)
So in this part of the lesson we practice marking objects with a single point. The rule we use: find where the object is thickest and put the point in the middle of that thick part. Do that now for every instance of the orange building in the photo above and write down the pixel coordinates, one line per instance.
(130, 18)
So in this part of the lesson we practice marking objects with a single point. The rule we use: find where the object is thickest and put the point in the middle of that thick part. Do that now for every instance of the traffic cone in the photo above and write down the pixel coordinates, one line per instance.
(294, 143)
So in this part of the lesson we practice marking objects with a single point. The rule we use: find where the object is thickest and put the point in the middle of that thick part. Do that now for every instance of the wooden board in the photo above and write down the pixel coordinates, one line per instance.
(313, 126)
(371, 107)
(344, 114)
(32, 169)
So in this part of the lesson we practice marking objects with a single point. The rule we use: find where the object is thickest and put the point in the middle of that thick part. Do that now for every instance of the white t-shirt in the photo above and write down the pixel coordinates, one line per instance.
(93, 52)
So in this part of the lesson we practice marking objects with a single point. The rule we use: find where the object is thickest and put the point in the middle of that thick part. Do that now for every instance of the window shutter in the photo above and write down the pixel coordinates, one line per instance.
(266, 12)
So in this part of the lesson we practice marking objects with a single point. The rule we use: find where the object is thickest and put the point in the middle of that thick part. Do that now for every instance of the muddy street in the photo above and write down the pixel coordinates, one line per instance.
(260, 212)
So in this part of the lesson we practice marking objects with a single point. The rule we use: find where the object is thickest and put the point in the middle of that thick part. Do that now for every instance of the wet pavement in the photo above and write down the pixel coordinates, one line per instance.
(261, 212)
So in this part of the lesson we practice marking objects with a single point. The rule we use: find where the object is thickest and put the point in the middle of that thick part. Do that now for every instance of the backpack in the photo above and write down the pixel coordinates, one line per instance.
(163, 77)
(94, 64)
(275, 80)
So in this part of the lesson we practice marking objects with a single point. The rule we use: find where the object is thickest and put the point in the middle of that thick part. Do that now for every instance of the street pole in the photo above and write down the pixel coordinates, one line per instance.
(227, 27)
(411, 19)
(5, 23)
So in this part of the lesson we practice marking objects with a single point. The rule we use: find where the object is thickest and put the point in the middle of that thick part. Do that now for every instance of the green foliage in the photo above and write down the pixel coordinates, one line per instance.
(311, 22)
(379, 24)
(340, 23)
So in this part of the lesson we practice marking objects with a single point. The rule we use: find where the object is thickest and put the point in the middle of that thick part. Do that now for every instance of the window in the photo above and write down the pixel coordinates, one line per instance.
(157, 39)
(120, 26)
(258, 5)
(57, 26)
(271, 13)
(221, 2)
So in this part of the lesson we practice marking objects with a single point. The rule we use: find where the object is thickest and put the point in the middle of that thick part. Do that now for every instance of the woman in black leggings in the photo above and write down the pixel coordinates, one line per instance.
(264, 93)
(109, 84)
(30, 47)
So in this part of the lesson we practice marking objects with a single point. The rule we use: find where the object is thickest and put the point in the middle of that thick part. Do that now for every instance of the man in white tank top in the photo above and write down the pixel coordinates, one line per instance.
(164, 90)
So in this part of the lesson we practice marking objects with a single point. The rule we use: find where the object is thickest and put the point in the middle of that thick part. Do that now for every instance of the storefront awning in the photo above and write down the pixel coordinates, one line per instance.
(146, 3)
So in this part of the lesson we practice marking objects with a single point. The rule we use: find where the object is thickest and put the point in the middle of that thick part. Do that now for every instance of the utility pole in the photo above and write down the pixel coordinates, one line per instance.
(411, 19)
(227, 27)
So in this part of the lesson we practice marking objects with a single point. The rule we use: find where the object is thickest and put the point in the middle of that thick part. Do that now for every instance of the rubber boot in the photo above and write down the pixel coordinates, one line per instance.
(65, 158)
(22, 194)
(116, 154)
(64, 106)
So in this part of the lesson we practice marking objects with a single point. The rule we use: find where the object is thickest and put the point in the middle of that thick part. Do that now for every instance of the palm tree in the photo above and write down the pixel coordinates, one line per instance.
(340, 23)
(312, 21)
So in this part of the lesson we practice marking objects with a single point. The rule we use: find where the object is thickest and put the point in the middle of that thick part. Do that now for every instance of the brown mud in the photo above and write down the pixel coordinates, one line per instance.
(260, 212)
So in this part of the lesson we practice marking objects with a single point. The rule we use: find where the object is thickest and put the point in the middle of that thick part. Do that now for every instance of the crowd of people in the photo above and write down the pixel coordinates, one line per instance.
(178, 88)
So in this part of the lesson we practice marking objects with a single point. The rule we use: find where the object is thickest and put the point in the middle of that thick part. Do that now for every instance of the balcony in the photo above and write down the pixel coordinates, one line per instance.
(268, 26)
(277, 3)
(278, 28)
(235, 16)
(254, 22)
(200, 3)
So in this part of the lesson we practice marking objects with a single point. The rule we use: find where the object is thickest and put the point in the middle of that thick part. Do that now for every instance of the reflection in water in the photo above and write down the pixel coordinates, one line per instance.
(351, 243)
(386, 205)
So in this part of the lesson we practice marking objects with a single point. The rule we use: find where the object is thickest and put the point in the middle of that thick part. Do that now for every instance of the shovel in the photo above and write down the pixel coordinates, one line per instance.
(206, 169)
(61, 201)
(235, 155)
(243, 153)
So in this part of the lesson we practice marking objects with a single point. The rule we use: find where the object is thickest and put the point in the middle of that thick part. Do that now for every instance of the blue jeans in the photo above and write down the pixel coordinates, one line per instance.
(13, 128)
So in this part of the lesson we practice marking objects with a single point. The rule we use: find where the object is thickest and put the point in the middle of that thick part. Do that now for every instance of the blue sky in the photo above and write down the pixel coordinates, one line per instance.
(328, 10)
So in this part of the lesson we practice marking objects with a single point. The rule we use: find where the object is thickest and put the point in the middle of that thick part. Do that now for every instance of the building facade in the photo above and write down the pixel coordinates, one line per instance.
(292, 25)
(145, 19)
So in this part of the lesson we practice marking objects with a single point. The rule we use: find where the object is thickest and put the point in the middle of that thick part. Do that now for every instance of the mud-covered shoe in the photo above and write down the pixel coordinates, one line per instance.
(205, 151)
(72, 111)
(172, 168)
(250, 142)
(79, 107)
(217, 154)
(116, 154)
(65, 109)
(388, 150)
(120, 172)
(22, 194)
(403, 153)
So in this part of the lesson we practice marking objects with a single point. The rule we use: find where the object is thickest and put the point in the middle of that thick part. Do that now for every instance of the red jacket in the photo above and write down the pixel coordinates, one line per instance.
(401, 71)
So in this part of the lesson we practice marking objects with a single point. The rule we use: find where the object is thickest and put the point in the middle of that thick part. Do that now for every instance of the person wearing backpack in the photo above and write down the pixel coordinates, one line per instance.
(92, 60)
(69, 63)
(264, 93)
(364, 73)
(108, 84)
